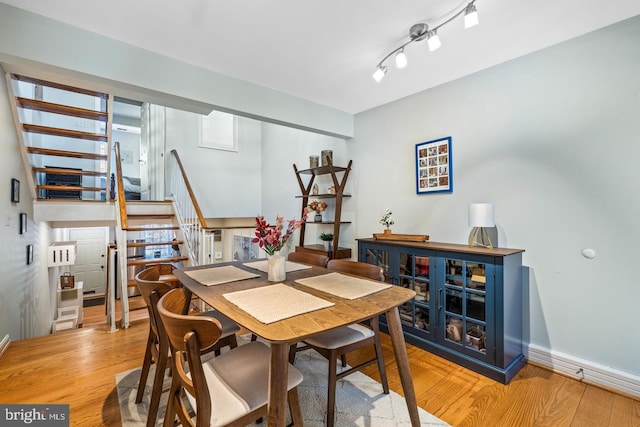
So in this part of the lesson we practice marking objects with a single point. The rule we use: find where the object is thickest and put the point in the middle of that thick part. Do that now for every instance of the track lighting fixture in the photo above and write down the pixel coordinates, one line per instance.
(421, 31)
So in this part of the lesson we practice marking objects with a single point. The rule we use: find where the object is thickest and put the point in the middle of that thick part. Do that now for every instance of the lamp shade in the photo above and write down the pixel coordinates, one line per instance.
(482, 215)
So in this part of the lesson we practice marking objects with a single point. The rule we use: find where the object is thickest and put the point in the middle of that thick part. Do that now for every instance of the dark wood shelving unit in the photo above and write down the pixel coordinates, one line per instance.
(339, 176)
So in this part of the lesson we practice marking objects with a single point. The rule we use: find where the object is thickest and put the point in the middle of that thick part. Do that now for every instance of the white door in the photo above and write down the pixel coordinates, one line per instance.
(91, 258)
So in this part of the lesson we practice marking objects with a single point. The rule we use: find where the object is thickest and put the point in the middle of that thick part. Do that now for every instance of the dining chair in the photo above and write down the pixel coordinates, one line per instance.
(229, 390)
(157, 349)
(336, 343)
(309, 258)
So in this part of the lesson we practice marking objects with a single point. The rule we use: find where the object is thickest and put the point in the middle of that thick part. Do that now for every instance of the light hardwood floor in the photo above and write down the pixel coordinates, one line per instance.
(78, 367)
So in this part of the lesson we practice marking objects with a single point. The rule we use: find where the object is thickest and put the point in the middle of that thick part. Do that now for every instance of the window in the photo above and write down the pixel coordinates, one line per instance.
(218, 131)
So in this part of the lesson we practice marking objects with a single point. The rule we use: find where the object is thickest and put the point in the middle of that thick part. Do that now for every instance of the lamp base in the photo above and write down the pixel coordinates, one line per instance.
(480, 237)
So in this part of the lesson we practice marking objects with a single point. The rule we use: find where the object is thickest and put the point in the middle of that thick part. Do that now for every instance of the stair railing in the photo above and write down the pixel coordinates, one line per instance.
(197, 236)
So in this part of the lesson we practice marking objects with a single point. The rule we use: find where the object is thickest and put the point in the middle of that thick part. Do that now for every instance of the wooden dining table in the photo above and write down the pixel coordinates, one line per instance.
(282, 334)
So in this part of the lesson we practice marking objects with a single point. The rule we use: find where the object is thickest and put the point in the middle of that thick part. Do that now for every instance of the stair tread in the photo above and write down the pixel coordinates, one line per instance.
(65, 200)
(58, 86)
(69, 188)
(65, 153)
(145, 244)
(173, 227)
(150, 215)
(50, 107)
(47, 130)
(64, 171)
(146, 261)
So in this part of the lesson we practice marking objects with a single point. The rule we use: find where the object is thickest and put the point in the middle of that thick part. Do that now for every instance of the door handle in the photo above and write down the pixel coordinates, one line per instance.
(439, 299)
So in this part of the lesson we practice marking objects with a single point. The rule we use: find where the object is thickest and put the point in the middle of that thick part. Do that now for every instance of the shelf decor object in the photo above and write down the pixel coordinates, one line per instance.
(401, 237)
(433, 166)
(15, 191)
(481, 216)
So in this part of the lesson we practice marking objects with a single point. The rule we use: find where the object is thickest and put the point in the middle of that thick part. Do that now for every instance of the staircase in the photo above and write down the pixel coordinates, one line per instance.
(74, 178)
(65, 146)
(152, 235)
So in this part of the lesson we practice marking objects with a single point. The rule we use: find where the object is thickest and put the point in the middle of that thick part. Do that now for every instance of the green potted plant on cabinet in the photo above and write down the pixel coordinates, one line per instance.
(327, 238)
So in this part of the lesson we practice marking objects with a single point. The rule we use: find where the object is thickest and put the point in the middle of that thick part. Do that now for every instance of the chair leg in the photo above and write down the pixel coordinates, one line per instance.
(331, 393)
(146, 365)
(343, 359)
(174, 394)
(292, 353)
(158, 382)
(294, 407)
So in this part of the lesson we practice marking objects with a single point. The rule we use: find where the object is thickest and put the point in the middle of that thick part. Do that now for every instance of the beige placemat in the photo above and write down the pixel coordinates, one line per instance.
(343, 286)
(271, 303)
(262, 265)
(218, 275)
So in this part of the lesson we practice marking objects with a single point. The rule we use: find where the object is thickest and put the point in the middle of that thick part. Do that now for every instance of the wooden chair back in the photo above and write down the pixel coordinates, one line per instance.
(189, 336)
(309, 258)
(356, 268)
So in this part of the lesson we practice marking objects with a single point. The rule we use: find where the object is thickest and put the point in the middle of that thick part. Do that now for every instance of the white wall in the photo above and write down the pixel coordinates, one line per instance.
(553, 140)
(226, 183)
(26, 303)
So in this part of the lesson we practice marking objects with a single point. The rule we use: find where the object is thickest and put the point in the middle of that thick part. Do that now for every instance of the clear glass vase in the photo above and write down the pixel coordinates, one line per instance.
(276, 267)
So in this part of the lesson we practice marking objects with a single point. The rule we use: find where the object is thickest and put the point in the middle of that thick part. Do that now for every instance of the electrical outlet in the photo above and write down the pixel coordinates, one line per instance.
(218, 255)
(80, 123)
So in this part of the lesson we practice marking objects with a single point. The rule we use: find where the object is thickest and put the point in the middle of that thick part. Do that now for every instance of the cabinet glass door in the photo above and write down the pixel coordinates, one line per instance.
(414, 275)
(465, 307)
(379, 257)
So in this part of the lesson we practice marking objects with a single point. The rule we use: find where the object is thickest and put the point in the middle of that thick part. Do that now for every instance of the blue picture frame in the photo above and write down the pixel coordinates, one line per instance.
(434, 169)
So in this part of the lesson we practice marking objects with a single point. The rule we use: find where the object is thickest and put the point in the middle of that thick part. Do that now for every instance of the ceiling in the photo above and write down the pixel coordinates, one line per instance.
(327, 50)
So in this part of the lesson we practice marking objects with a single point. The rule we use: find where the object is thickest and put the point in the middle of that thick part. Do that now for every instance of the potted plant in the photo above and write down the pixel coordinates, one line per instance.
(327, 238)
(387, 221)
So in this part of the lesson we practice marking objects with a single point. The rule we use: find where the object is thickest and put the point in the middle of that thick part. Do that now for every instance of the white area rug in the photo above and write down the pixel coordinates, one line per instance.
(359, 399)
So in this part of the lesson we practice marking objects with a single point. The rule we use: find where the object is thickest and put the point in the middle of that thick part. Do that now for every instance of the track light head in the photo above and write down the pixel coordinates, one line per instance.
(401, 59)
(433, 40)
(470, 16)
(379, 74)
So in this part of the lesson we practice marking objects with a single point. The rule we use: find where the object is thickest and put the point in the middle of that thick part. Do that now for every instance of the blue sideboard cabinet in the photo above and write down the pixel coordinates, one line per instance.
(468, 303)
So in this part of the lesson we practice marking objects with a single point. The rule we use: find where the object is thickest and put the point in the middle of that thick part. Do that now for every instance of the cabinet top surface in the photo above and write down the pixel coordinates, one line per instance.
(453, 247)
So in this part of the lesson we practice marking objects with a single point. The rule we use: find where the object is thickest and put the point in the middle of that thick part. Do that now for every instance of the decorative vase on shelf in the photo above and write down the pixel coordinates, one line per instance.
(328, 245)
(317, 217)
(387, 232)
(276, 267)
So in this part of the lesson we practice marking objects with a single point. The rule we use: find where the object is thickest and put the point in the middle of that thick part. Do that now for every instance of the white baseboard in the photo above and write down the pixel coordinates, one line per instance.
(583, 370)
(4, 344)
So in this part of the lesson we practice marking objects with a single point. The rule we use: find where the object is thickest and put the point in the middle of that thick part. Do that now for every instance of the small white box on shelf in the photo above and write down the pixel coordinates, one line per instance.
(61, 253)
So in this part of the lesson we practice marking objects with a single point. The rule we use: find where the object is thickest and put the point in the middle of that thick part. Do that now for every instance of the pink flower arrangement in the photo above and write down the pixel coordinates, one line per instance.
(270, 237)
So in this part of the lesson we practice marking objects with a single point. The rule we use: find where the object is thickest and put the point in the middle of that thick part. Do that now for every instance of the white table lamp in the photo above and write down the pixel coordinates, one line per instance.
(481, 216)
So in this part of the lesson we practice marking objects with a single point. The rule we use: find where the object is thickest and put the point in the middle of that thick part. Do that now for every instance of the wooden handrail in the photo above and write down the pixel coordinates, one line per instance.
(196, 207)
(122, 204)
